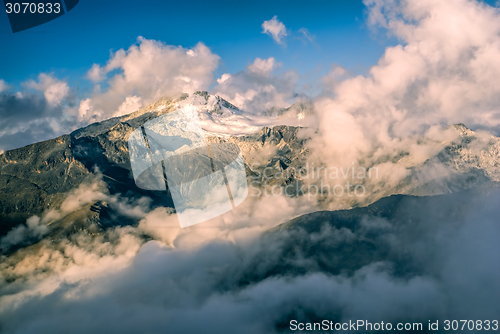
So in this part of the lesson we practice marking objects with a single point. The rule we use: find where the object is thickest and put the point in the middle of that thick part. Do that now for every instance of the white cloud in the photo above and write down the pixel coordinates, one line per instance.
(95, 73)
(445, 71)
(98, 73)
(40, 111)
(54, 90)
(263, 66)
(33, 229)
(3, 86)
(131, 104)
(147, 71)
(84, 194)
(275, 29)
(224, 77)
(86, 111)
(257, 88)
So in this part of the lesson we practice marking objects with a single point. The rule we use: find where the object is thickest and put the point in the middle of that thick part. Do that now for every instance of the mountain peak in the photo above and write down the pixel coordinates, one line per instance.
(462, 129)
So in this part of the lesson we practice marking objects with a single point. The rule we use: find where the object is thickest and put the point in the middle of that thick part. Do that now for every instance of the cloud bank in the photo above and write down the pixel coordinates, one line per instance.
(443, 72)
(431, 268)
(146, 72)
(259, 87)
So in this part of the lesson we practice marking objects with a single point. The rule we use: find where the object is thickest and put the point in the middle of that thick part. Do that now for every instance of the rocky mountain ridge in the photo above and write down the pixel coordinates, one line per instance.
(38, 177)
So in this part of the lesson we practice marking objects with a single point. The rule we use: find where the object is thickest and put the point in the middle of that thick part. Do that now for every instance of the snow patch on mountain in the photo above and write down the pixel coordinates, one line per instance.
(221, 118)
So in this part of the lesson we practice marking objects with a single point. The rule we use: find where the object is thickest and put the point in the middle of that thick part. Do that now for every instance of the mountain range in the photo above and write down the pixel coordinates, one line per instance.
(37, 178)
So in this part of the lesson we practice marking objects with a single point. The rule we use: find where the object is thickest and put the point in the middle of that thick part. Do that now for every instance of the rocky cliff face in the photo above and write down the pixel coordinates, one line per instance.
(38, 177)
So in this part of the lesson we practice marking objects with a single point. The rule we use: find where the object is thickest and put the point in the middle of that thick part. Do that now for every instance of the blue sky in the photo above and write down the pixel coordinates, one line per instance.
(69, 45)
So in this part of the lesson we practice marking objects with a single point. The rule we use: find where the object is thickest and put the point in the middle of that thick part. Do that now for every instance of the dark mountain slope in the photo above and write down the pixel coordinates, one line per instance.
(405, 234)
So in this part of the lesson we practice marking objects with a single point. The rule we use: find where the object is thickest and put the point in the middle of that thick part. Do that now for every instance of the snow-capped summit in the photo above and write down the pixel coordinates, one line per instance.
(220, 117)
